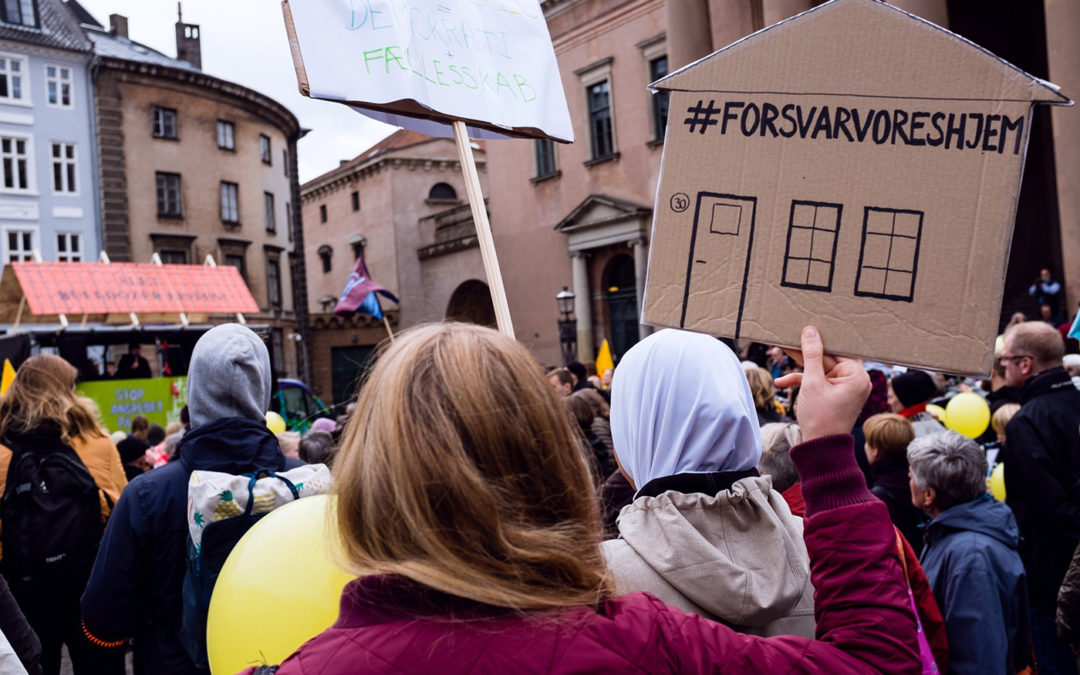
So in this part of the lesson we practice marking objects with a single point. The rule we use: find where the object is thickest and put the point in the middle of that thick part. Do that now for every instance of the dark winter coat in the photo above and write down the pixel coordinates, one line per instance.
(1068, 608)
(890, 485)
(135, 586)
(972, 563)
(1042, 480)
(391, 625)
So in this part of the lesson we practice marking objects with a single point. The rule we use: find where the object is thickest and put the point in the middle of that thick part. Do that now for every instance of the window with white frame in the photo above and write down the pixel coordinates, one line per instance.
(226, 135)
(63, 166)
(264, 149)
(164, 120)
(15, 158)
(268, 200)
(58, 86)
(654, 51)
(168, 195)
(19, 244)
(230, 211)
(12, 78)
(68, 247)
(599, 109)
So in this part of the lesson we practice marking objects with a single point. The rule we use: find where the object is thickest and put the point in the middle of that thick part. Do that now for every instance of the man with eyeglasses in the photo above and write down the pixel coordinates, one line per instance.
(1042, 476)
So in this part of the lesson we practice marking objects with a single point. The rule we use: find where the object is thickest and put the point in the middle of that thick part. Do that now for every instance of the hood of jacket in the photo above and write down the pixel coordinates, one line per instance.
(739, 554)
(984, 515)
(229, 376)
(231, 445)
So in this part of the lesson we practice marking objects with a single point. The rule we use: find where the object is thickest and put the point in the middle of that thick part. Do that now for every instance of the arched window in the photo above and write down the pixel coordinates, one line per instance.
(442, 191)
(326, 254)
(471, 302)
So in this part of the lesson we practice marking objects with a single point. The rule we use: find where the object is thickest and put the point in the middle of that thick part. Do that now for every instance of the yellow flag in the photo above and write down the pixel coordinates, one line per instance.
(603, 359)
(8, 377)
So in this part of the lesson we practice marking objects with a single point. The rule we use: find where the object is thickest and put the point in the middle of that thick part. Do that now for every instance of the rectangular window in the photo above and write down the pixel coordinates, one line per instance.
(226, 132)
(20, 245)
(63, 166)
(58, 86)
(264, 148)
(355, 201)
(68, 247)
(277, 350)
(288, 220)
(168, 195)
(889, 257)
(658, 68)
(273, 282)
(545, 157)
(230, 211)
(811, 245)
(285, 161)
(164, 122)
(238, 261)
(12, 73)
(599, 99)
(173, 256)
(268, 200)
(15, 163)
(20, 12)
(322, 213)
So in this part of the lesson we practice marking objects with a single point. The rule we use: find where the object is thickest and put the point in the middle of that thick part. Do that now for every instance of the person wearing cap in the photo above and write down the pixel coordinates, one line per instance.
(908, 395)
(133, 456)
(136, 583)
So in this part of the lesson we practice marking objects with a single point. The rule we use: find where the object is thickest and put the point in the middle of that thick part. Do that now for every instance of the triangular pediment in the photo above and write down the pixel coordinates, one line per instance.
(597, 210)
(861, 48)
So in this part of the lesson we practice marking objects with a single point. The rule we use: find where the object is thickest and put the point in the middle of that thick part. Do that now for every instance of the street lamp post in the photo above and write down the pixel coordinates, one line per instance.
(567, 325)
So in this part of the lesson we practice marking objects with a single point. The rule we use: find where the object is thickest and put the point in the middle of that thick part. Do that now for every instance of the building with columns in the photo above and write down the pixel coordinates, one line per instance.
(579, 215)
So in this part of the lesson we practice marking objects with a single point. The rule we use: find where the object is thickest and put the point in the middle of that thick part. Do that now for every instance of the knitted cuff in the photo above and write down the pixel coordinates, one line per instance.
(830, 476)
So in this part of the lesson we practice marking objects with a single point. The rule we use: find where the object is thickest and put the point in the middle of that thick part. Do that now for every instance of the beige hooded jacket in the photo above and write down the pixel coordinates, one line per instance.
(738, 557)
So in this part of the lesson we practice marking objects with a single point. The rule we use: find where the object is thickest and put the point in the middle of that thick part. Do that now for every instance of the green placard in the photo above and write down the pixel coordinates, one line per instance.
(159, 399)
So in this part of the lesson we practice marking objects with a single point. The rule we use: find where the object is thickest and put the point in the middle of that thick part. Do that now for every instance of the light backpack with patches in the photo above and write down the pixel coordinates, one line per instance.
(222, 507)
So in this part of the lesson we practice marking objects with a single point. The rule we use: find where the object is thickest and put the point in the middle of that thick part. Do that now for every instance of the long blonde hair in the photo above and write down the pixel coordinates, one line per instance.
(43, 394)
(460, 471)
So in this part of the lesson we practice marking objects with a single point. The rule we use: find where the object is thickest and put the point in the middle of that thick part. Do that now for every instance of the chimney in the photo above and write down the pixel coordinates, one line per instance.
(187, 40)
(118, 23)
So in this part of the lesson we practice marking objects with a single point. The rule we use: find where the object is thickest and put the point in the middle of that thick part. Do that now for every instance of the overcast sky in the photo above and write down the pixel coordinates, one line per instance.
(244, 41)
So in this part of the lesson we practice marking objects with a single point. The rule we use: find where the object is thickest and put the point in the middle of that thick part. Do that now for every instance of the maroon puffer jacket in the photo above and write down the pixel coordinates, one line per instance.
(392, 625)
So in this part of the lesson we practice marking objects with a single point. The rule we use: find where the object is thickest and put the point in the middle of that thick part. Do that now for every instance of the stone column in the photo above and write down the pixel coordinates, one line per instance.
(641, 260)
(582, 306)
(778, 10)
(688, 35)
(1063, 55)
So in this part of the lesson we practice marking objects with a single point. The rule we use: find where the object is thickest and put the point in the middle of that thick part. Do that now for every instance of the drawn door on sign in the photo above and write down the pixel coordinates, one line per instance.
(719, 261)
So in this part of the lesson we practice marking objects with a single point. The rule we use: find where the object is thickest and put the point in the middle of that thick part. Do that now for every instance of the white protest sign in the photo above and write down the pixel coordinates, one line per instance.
(489, 63)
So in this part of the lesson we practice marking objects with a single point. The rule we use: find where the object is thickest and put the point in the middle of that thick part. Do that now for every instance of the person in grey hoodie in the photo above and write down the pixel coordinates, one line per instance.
(705, 533)
(135, 586)
(971, 557)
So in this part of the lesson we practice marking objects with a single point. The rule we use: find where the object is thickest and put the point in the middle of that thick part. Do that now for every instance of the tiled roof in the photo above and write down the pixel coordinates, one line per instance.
(59, 29)
(110, 46)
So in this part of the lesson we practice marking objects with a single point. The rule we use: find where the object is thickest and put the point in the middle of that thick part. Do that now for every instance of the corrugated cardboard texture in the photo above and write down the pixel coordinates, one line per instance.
(854, 167)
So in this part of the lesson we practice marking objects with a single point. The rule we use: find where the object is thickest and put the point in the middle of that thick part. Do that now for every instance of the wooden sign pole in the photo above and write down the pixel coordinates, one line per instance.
(483, 229)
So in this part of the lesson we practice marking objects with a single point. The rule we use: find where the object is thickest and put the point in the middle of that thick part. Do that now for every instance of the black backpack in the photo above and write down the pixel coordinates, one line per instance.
(51, 513)
(204, 565)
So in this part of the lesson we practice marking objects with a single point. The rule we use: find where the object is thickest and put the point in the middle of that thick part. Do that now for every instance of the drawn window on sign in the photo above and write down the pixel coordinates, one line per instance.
(725, 218)
(811, 245)
(889, 257)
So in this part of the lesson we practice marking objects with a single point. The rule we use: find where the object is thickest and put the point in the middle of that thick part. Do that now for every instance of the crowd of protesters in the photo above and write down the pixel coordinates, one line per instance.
(706, 506)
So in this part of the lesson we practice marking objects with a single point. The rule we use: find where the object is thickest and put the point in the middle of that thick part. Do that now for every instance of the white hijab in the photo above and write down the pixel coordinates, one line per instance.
(680, 403)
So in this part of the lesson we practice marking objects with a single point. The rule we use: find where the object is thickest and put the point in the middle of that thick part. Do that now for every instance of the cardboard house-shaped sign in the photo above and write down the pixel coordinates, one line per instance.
(854, 167)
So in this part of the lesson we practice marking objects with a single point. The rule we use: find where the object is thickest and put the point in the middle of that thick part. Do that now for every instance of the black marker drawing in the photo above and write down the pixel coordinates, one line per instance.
(721, 224)
(889, 255)
(810, 253)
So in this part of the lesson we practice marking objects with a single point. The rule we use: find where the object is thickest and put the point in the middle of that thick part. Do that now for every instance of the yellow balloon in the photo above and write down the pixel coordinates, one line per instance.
(275, 422)
(997, 482)
(937, 411)
(968, 414)
(279, 588)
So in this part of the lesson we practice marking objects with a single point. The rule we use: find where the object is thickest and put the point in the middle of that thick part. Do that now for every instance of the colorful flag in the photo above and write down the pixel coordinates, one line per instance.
(8, 376)
(603, 359)
(1074, 332)
(359, 296)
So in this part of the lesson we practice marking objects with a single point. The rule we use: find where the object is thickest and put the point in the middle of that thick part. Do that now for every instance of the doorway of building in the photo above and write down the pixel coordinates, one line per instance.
(348, 366)
(471, 302)
(621, 294)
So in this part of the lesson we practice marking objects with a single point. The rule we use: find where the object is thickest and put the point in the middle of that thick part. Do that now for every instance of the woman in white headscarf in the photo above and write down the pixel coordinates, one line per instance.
(705, 532)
